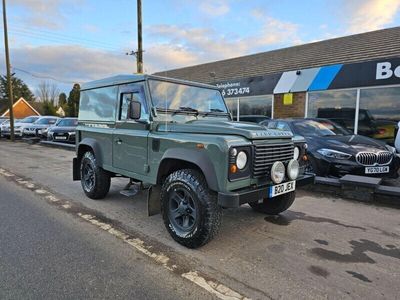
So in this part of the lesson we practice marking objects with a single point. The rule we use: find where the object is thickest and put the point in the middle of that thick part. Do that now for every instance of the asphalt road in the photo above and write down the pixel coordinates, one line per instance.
(322, 247)
(47, 254)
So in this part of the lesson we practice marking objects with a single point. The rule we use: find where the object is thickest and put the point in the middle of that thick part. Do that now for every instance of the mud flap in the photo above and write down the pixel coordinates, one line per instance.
(76, 174)
(153, 200)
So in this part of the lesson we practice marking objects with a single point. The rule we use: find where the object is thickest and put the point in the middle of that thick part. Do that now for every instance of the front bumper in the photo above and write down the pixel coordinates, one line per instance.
(61, 137)
(339, 168)
(237, 198)
(7, 132)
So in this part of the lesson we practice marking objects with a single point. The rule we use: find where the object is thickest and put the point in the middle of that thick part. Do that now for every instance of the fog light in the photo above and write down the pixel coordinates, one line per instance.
(278, 172)
(293, 169)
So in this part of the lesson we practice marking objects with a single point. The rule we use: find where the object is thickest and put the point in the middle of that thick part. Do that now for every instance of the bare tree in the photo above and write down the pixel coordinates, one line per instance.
(48, 92)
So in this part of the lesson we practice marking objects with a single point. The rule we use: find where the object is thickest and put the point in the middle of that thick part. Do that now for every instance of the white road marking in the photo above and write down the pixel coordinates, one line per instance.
(219, 290)
(40, 192)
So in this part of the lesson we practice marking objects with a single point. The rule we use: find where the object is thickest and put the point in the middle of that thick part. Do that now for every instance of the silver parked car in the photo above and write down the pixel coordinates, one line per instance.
(39, 126)
(19, 126)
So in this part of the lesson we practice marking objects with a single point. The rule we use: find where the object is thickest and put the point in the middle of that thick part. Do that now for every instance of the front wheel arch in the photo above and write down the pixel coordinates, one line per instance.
(172, 161)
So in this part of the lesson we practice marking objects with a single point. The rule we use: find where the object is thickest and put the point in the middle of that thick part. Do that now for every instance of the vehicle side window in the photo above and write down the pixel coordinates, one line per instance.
(126, 99)
(52, 121)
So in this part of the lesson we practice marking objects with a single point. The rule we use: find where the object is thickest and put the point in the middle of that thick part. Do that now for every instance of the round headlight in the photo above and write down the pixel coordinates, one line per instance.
(241, 160)
(296, 153)
(293, 169)
(277, 172)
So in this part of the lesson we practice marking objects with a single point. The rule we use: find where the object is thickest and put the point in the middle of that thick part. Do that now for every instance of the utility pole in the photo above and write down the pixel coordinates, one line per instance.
(10, 89)
(139, 56)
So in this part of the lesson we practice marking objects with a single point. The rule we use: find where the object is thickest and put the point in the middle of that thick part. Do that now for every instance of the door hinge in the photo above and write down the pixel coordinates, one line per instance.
(146, 168)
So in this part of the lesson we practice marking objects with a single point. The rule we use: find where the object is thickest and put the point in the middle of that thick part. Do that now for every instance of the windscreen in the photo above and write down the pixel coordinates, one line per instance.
(318, 128)
(43, 121)
(174, 96)
(68, 123)
(29, 119)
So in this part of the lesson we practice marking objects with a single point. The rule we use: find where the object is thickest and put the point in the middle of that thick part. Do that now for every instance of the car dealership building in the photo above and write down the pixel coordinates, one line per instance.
(353, 80)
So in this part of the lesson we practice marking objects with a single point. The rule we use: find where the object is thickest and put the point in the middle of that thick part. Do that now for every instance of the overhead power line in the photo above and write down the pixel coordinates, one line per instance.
(61, 36)
(40, 76)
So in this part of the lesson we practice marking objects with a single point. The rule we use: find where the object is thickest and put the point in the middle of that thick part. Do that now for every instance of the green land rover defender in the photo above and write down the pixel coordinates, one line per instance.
(177, 140)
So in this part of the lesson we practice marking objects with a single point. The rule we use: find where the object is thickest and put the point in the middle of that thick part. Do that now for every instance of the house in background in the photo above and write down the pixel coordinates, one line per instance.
(60, 112)
(22, 109)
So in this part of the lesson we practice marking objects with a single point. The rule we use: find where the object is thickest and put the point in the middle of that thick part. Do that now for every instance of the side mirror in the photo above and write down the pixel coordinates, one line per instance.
(135, 110)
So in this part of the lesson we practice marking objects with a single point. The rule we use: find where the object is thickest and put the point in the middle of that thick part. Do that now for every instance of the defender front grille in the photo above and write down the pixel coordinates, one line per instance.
(372, 159)
(266, 154)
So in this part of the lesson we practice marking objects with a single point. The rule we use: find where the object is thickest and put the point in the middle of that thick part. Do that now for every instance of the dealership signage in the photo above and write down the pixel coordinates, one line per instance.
(252, 86)
(371, 73)
(384, 70)
(339, 76)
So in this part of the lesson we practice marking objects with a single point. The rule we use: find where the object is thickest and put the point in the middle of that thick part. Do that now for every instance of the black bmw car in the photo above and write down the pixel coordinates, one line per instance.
(63, 131)
(334, 151)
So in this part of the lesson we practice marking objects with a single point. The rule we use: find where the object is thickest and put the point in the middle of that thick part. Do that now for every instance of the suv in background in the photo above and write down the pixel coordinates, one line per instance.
(63, 131)
(40, 125)
(177, 138)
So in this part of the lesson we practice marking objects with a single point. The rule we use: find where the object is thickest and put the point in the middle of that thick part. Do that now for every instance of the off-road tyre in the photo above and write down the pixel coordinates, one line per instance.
(276, 205)
(100, 180)
(205, 217)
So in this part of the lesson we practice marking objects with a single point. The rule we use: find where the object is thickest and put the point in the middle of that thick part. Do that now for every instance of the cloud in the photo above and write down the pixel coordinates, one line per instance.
(187, 45)
(369, 15)
(71, 63)
(44, 13)
(215, 8)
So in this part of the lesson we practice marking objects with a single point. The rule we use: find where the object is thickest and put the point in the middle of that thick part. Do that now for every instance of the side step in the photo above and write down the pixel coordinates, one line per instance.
(132, 188)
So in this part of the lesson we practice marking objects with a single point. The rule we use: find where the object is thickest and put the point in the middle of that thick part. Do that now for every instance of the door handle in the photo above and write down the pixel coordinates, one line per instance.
(118, 141)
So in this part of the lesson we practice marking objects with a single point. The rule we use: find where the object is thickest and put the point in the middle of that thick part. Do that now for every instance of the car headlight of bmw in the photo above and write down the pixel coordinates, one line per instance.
(390, 149)
(330, 153)
(71, 132)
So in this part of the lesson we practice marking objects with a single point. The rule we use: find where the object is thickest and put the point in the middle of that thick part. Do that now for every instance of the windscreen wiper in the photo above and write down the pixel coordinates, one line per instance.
(187, 110)
(216, 111)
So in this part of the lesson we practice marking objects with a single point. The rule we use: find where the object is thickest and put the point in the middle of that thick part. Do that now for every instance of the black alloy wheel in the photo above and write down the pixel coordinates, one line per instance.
(189, 208)
(88, 178)
(182, 210)
(94, 180)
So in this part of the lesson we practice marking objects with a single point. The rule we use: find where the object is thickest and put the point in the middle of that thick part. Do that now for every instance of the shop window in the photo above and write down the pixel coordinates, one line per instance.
(338, 106)
(255, 106)
(258, 107)
(379, 113)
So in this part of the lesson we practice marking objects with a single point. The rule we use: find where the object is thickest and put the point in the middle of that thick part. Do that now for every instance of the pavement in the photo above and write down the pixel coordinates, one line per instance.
(322, 247)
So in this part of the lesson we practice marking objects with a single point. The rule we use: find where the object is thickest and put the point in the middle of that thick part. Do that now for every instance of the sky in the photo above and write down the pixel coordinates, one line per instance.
(68, 41)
